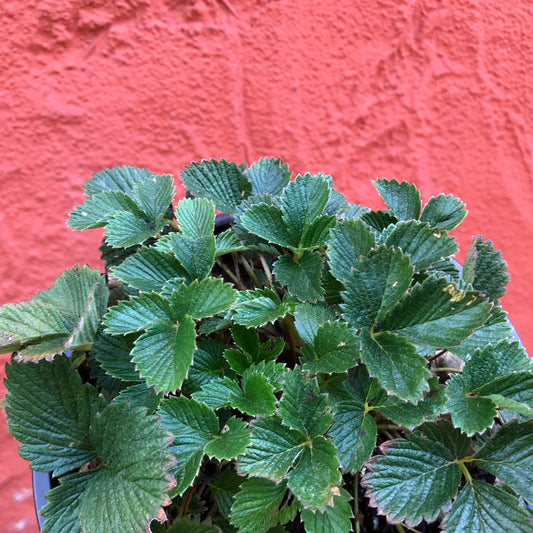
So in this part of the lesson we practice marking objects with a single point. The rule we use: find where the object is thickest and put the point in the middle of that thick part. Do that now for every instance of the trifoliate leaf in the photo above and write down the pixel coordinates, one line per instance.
(424, 245)
(334, 348)
(197, 256)
(202, 299)
(269, 175)
(266, 221)
(273, 450)
(486, 508)
(485, 269)
(336, 517)
(219, 181)
(116, 179)
(402, 199)
(303, 406)
(149, 269)
(317, 232)
(315, 478)
(256, 507)
(125, 229)
(374, 286)
(140, 395)
(309, 317)
(395, 362)
(436, 313)
(444, 212)
(164, 352)
(303, 200)
(301, 275)
(193, 424)
(348, 241)
(196, 218)
(508, 454)
(52, 422)
(257, 307)
(230, 442)
(154, 195)
(354, 434)
(137, 313)
(422, 463)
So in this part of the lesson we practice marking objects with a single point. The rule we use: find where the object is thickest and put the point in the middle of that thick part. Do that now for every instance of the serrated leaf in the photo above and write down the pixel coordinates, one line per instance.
(485, 508)
(188, 525)
(378, 220)
(444, 212)
(402, 199)
(256, 507)
(140, 395)
(219, 181)
(303, 406)
(436, 313)
(154, 195)
(424, 245)
(269, 175)
(196, 218)
(224, 488)
(227, 242)
(301, 275)
(126, 229)
(52, 422)
(218, 392)
(137, 313)
(309, 317)
(257, 396)
(508, 454)
(303, 200)
(395, 362)
(374, 286)
(317, 232)
(231, 441)
(257, 307)
(115, 179)
(273, 450)
(202, 299)
(334, 348)
(334, 518)
(315, 478)
(422, 463)
(349, 240)
(193, 424)
(337, 204)
(354, 433)
(197, 256)
(149, 269)
(266, 221)
(164, 352)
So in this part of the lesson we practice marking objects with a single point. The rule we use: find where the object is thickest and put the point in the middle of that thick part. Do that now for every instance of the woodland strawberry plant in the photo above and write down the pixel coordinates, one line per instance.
(304, 364)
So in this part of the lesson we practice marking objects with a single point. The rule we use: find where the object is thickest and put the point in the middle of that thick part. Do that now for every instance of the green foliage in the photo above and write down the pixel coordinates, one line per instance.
(256, 377)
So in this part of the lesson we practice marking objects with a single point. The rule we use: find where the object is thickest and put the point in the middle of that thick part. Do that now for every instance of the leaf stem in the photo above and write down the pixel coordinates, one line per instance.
(464, 470)
(174, 224)
(400, 528)
(292, 335)
(229, 273)
(250, 271)
(356, 502)
(448, 369)
(266, 269)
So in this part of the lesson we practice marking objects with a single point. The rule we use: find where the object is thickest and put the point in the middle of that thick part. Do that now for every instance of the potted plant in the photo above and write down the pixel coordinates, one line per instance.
(305, 364)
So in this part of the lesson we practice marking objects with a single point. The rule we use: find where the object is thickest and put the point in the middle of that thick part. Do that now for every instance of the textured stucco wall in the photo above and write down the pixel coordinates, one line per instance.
(429, 91)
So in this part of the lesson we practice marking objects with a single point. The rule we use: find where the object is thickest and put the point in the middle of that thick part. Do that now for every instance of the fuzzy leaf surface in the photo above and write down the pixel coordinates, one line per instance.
(301, 276)
(119, 178)
(269, 175)
(444, 212)
(197, 256)
(153, 196)
(336, 517)
(266, 221)
(126, 229)
(196, 218)
(309, 317)
(402, 199)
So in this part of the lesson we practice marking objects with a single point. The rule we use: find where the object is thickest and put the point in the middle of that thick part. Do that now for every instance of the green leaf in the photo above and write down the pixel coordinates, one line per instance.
(437, 313)
(149, 269)
(354, 434)
(116, 179)
(402, 199)
(301, 275)
(348, 241)
(309, 317)
(303, 407)
(140, 395)
(224, 488)
(193, 424)
(315, 478)
(374, 286)
(163, 354)
(257, 396)
(218, 392)
(196, 218)
(421, 464)
(219, 181)
(231, 442)
(485, 508)
(395, 363)
(197, 256)
(188, 525)
(303, 200)
(256, 507)
(137, 313)
(266, 221)
(317, 232)
(125, 229)
(269, 175)
(202, 299)
(227, 242)
(444, 212)
(378, 220)
(52, 422)
(485, 269)
(508, 454)
(273, 450)
(424, 245)
(154, 195)
(257, 307)
(334, 348)
(334, 518)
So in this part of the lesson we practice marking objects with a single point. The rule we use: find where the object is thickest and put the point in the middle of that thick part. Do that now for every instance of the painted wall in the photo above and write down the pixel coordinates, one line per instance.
(429, 91)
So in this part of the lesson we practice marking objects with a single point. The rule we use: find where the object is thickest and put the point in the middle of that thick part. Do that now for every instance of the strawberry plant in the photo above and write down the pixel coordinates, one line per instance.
(300, 363)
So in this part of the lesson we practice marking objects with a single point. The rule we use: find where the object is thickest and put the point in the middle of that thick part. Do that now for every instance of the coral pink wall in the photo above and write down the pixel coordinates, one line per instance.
(434, 92)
